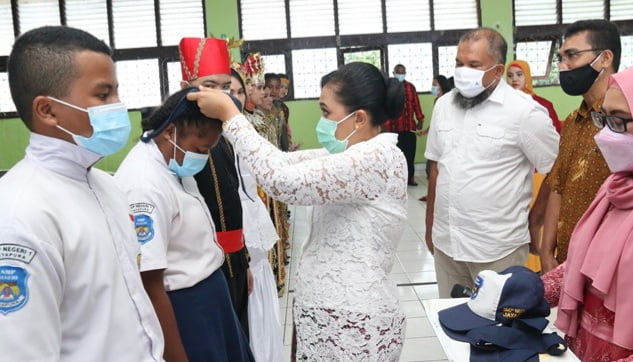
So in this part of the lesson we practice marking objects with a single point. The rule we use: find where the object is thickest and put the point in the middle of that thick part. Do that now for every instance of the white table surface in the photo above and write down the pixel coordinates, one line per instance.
(460, 351)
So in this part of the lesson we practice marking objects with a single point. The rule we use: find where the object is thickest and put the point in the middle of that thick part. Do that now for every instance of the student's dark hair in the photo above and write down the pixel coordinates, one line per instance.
(497, 46)
(283, 76)
(183, 113)
(601, 34)
(270, 76)
(444, 83)
(42, 62)
(362, 86)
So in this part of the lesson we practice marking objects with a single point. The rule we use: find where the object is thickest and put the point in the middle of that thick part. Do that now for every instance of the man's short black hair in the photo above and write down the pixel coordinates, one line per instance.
(601, 34)
(42, 63)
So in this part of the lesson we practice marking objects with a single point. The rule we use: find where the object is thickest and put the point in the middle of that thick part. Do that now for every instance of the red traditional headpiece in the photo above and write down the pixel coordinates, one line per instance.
(253, 69)
(200, 57)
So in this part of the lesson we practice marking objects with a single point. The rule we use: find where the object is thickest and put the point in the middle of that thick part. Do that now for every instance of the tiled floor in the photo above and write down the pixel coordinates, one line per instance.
(413, 272)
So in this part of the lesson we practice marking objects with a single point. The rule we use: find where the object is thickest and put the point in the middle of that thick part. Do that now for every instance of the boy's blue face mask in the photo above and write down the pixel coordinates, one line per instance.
(326, 130)
(110, 128)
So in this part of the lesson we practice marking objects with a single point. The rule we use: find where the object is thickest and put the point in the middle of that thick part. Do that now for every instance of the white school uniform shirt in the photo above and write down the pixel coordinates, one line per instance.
(486, 157)
(173, 222)
(70, 288)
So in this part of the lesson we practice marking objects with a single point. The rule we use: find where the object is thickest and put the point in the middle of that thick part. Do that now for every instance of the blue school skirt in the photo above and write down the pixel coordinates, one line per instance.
(208, 326)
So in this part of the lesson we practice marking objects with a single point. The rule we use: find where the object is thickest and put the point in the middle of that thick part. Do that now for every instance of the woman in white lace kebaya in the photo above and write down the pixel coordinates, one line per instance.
(346, 308)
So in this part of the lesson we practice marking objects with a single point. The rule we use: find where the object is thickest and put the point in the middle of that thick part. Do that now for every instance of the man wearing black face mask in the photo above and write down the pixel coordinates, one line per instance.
(588, 56)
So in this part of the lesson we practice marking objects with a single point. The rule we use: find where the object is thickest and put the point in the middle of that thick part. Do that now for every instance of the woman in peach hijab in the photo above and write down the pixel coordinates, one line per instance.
(593, 288)
(520, 77)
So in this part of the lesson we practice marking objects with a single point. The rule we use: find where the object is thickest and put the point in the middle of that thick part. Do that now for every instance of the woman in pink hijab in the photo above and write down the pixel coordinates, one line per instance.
(594, 287)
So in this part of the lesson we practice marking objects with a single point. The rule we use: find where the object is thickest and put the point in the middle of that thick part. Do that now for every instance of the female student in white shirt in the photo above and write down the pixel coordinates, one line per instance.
(180, 258)
(346, 308)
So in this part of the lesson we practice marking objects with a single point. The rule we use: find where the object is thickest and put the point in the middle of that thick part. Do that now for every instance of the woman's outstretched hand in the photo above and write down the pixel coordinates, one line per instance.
(214, 104)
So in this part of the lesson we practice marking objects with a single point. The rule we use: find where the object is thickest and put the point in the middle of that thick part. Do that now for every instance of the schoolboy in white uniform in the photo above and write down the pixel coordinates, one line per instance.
(70, 288)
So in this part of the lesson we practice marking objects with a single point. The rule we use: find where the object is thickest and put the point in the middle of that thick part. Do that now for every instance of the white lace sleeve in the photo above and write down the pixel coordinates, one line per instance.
(357, 174)
(304, 155)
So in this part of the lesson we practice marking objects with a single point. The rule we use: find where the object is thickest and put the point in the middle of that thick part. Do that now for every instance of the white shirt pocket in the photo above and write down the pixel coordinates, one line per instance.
(488, 141)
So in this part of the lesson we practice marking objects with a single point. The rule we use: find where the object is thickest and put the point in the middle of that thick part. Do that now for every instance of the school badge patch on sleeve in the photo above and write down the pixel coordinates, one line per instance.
(14, 291)
(144, 226)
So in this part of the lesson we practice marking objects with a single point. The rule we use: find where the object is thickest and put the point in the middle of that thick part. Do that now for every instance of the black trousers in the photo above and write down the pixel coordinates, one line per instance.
(406, 143)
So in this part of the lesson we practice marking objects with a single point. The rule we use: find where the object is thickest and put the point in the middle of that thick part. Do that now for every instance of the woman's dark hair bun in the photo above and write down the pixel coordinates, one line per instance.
(394, 98)
(362, 86)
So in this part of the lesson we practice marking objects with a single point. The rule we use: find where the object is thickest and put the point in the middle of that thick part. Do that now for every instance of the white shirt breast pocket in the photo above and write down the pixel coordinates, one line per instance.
(488, 142)
(446, 136)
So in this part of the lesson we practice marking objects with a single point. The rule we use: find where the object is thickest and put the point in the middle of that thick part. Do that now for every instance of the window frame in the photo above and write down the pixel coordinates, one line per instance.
(163, 54)
(380, 41)
(554, 33)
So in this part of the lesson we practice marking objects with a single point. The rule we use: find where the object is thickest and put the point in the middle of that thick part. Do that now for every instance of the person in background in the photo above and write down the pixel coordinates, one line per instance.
(252, 70)
(218, 181)
(520, 78)
(486, 139)
(440, 86)
(70, 288)
(275, 112)
(589, 54)
(180, 258)
(345, 305)
(284, 85)
(266, 335)
(405, 125)
(592, 288)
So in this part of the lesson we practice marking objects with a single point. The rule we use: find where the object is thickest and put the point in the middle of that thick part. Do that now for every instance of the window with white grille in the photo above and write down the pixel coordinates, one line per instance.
(621, 10)
(174, 77)
(134, 23)
(574, 10)
(418, 60)
(455, 14)
(534, 12)
(274, 63)
(263, 19)
(88, 15)
(309, 66)
(537, 54)
(6, 102)
(35, 13)
(446, 58)
(626, 60)
(180, 19)
(139, 82)
(359, 16)
(6, 27)
(406, 15)
(311, 18)
(149, 43)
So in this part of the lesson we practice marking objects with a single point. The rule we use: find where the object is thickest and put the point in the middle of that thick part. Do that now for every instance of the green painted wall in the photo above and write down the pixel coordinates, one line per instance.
(222, 22)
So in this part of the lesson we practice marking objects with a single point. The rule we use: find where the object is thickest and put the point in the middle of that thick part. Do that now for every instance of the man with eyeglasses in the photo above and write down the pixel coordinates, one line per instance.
(589, 54)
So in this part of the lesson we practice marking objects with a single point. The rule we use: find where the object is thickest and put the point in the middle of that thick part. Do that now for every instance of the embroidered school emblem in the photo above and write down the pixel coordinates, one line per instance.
(479, 281)
(14, 292)
(144, 226)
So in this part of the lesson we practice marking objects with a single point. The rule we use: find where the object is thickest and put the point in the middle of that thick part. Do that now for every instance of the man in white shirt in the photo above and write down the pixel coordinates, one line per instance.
(70, 288)
(487, 140)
